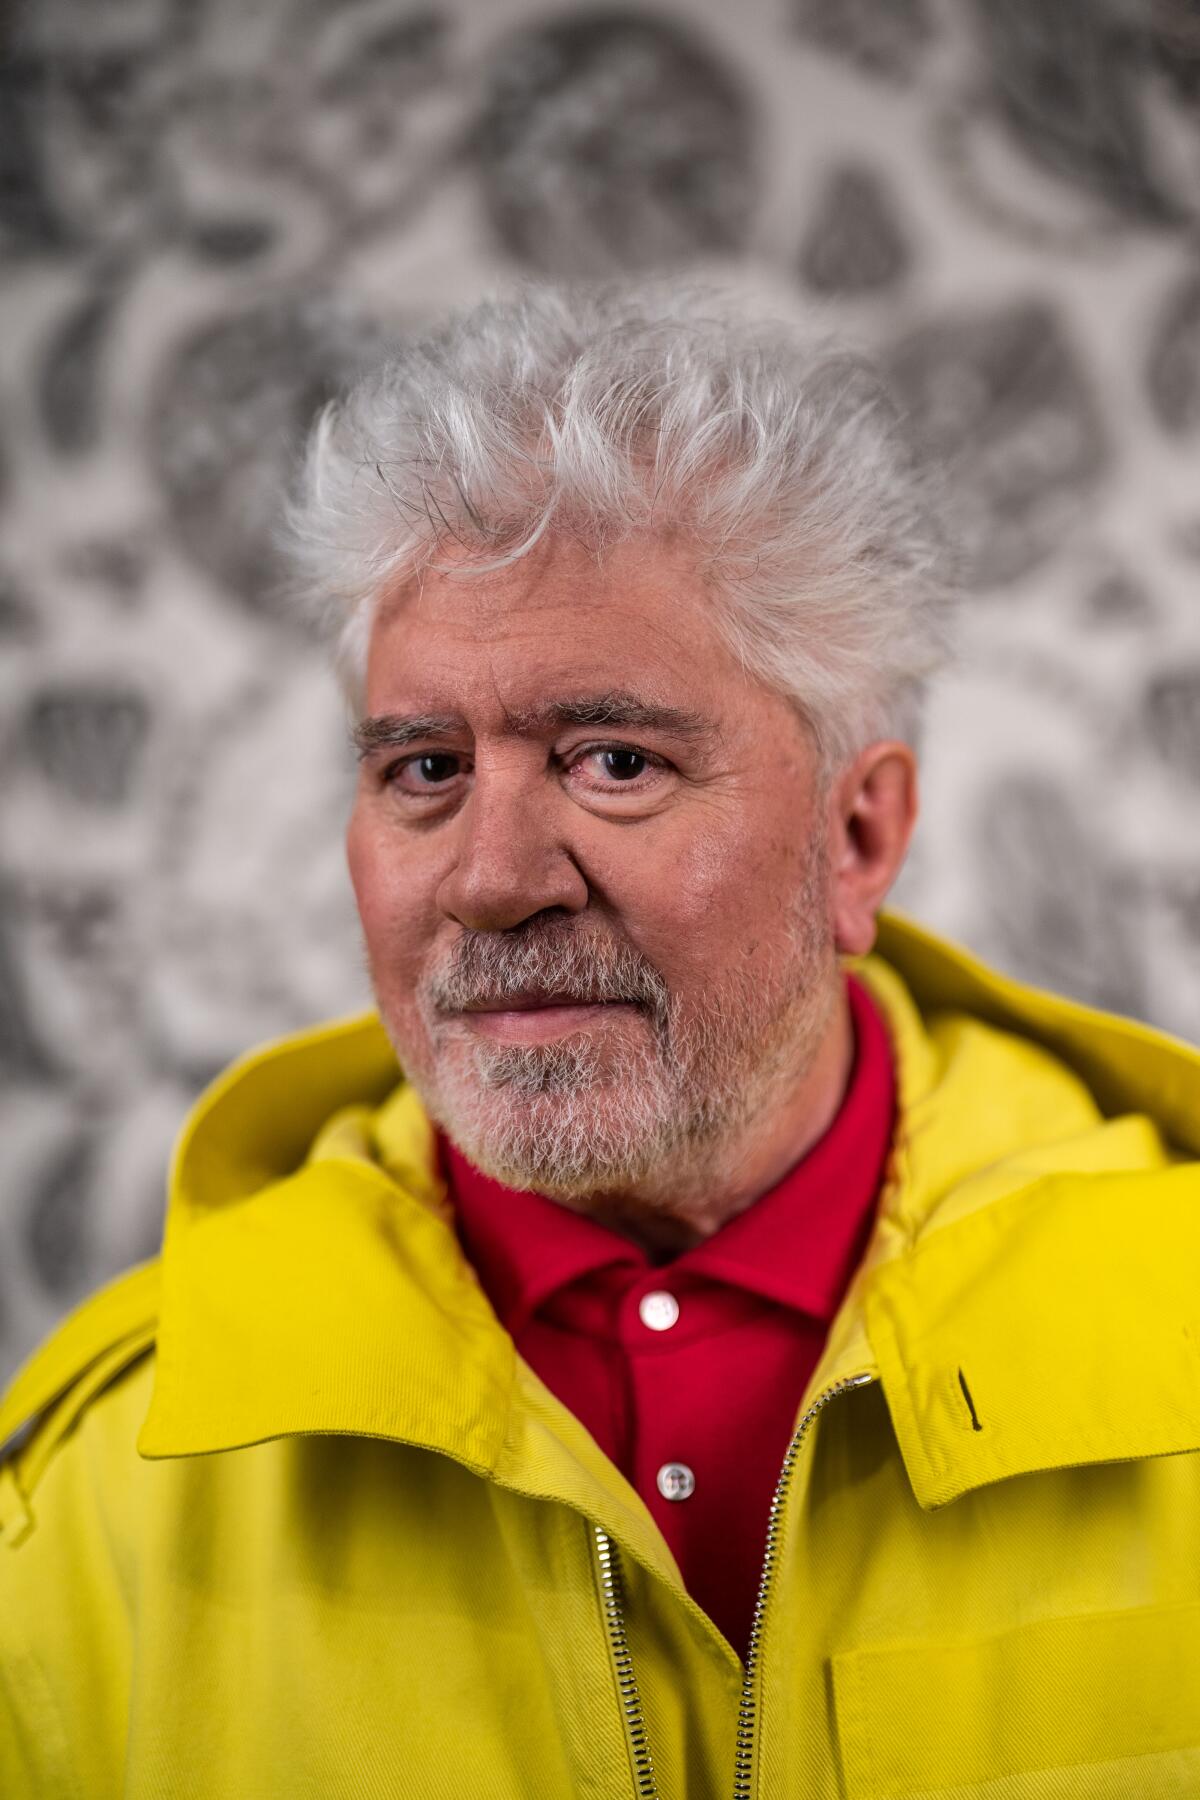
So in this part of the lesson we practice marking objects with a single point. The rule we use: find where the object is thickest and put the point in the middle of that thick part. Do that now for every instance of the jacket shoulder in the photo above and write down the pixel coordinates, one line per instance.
(95, 1344)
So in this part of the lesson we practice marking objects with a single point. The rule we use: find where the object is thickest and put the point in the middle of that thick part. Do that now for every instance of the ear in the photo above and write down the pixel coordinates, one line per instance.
(872, 812)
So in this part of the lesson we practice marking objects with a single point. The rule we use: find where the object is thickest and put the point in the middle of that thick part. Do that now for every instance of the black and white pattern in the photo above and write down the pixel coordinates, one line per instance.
(212, 213)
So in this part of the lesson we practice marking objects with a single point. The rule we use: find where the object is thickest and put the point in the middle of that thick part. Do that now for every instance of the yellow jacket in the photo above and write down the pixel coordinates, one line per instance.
(360, 1550)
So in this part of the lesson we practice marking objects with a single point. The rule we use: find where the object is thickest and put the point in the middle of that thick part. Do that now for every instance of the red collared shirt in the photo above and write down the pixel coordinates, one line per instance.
(689, 1373)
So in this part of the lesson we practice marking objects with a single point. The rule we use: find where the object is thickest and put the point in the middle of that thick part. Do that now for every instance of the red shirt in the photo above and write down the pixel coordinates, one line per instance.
(689, 1373)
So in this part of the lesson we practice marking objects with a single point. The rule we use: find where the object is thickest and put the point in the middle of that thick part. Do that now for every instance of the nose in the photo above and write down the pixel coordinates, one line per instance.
(510, 859)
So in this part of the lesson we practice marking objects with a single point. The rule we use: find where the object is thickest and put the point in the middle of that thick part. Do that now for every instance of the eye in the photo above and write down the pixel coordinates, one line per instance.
(621, 763)
(427, 773)
(611, 768)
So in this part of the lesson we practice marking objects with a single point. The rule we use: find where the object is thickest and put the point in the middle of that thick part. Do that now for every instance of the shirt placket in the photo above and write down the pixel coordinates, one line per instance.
(661, 1328)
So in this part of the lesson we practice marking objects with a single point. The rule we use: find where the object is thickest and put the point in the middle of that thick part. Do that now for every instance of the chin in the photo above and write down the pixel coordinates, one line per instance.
(562, 1144)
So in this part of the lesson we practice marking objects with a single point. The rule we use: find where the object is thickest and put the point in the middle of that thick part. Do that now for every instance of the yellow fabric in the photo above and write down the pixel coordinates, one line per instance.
(287, 1516)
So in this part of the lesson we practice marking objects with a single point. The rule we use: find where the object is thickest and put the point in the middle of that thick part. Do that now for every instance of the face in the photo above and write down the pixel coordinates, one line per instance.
(591, 860)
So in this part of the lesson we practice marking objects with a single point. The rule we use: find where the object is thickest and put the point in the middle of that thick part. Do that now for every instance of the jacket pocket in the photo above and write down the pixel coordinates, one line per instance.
(1100, 1707)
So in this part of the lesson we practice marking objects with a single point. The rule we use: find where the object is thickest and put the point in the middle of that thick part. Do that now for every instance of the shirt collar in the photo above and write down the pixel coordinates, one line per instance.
(524, 1247)
(798, 1244)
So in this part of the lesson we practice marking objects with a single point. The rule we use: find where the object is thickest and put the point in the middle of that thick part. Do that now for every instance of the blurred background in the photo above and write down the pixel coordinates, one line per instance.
(212, 211)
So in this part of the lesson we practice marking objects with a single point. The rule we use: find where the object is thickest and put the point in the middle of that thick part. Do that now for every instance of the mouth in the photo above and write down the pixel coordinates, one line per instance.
(537, 1017)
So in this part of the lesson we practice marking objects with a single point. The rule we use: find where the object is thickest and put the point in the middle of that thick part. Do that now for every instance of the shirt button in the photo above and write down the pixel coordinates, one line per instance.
(658, 1311)
(676, 1481)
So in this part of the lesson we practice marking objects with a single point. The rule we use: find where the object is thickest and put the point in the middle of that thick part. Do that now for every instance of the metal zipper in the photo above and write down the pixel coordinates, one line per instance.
(743, 1764)
(631, 1703)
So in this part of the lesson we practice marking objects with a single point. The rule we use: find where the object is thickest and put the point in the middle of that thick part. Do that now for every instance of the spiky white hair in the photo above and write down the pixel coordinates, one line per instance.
(625, 410)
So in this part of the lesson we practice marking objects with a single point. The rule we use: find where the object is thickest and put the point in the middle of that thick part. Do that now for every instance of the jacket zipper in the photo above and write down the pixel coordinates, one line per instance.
(743, 1761)
(611, 1596)
(611, 1591)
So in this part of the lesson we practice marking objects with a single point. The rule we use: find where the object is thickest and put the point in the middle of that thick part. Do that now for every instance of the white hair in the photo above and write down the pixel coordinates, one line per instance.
(622, 410)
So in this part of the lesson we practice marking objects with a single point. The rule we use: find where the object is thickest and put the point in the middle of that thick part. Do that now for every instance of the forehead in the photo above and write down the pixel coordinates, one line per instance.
(559, 619)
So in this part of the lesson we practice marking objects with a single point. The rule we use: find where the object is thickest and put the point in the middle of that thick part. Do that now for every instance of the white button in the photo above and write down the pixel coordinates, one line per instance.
(676, 1481)
(658, 1311)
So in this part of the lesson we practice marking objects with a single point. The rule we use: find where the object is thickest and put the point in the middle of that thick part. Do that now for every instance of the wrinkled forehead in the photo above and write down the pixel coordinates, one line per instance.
(562, 624)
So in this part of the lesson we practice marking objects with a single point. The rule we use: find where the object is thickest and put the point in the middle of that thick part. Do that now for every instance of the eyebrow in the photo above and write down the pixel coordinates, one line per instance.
(613, 707)
(392, 731)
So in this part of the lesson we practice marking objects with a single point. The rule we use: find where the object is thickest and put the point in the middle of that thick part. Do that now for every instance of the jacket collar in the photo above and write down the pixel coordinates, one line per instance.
(1127, 1067)
(324, 1301)
(1057, 1326)
(1029, 1299)
(1021, 1312)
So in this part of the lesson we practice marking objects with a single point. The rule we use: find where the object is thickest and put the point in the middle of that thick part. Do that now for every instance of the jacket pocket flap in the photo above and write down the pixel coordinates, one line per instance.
(944, 1721)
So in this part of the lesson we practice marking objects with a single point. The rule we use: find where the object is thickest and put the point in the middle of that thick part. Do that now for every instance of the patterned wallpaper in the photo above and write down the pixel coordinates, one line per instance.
(211, 211)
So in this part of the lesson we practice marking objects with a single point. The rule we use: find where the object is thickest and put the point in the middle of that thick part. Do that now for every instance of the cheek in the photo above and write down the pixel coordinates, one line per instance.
(722, 898)
(369, 872)
(663, 906)
(388, 890)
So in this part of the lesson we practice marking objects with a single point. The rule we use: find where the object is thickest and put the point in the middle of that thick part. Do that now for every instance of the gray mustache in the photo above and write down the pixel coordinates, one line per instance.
(488, 967)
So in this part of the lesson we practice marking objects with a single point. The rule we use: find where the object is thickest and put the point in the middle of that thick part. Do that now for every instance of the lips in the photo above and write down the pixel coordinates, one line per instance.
(535, 999)
(536, 1016)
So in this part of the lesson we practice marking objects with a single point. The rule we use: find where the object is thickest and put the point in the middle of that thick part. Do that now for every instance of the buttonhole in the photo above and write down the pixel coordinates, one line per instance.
(966, 1392)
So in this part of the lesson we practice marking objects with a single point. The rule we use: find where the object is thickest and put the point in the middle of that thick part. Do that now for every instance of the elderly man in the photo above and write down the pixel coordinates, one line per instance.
(731, 1358)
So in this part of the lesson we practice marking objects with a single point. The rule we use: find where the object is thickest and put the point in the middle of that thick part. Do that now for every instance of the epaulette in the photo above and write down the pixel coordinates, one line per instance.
(46, 1397)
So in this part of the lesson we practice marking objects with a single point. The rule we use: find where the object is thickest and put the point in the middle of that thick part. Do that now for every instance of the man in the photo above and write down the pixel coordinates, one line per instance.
(733, 1358)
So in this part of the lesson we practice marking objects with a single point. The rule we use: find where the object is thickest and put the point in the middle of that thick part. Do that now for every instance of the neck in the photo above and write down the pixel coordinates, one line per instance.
(683, 1205)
